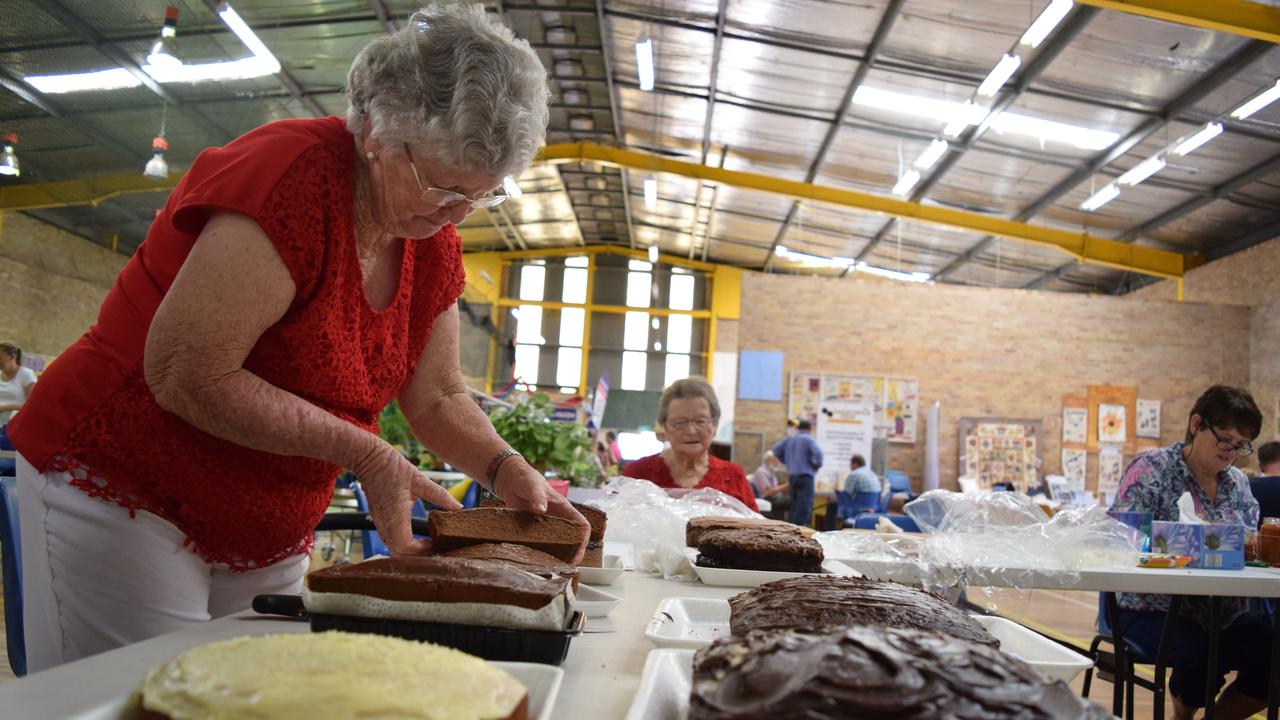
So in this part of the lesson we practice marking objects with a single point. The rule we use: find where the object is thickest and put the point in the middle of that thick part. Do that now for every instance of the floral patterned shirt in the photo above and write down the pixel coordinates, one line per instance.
(1152, 483)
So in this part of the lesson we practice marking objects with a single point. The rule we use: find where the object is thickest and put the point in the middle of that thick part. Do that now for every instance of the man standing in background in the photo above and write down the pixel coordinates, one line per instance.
(802, 457)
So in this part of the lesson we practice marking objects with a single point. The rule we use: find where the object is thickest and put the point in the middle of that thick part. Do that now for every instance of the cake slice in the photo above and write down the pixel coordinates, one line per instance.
(460, 528)
(594, 555)
(525, 558)
(759, 549)
(694, 528)
(441, 590)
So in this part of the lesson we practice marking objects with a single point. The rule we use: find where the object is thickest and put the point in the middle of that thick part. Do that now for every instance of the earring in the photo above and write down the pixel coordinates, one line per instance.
(371, 155)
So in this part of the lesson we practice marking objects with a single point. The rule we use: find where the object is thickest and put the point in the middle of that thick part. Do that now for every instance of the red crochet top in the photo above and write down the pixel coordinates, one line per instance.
(725, 476)
(93, 415)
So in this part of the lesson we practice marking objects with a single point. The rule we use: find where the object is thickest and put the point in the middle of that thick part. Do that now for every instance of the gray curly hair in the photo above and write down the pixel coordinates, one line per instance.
(690, 387)
(454, 83)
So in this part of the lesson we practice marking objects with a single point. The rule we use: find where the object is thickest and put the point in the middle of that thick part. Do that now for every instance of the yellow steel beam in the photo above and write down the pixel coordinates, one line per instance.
(593, 250)
(613, 309)
(1082, 246)
(87, 191)
(1237, 17)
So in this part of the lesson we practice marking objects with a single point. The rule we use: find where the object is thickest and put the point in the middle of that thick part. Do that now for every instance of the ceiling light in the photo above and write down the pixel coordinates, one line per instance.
(9, 164)
(999, 75)
(906, 182)
(650, 193)
(969, 113)
(1142, 170)
(811, 259)
(1257, 102)
(575, 96)
(1100, 198)
(261, 63)
(561, 35)
(1207, 133)
(512, 188)
(653, 258)
(164, 51)
(568, 68)
(918, 105)
(583, 123)
(915, 277)
(157, 168)
(112, 79)
(644, 63)
(1045, 24)
(932, 154)
(1053, 131)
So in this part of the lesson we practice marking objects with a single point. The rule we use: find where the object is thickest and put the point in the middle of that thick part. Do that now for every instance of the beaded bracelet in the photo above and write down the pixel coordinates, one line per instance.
(491, 474)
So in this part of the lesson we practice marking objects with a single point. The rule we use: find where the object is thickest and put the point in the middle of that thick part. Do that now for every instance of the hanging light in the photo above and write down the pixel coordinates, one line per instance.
(8, 158)
(164, 51)
(157, 168)
(644, 63)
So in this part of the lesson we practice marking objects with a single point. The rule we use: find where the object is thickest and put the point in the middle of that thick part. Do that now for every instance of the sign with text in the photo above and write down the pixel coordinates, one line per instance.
(844, 429)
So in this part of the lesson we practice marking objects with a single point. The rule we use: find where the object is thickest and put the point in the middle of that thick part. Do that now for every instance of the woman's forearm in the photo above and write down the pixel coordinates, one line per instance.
(453, 427)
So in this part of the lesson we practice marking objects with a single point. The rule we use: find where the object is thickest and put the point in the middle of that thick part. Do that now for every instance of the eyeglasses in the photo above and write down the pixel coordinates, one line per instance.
(702, 423)
(448, 198)
(1226, 444)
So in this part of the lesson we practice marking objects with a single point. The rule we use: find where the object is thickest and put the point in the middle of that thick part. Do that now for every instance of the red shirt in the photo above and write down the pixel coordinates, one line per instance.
(725, 476)
(93, 415)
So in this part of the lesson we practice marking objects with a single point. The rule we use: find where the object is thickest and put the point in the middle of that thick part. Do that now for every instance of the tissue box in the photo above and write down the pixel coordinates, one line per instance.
(1140, 521)
(1211, 546)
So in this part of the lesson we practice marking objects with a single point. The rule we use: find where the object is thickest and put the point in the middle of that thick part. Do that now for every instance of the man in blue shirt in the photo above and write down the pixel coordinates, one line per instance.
(802, 456)
(861, 479)
(1266, 489)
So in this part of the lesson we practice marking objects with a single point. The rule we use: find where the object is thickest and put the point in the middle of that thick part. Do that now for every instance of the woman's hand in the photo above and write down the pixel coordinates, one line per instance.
(391, 484)
(522, 487)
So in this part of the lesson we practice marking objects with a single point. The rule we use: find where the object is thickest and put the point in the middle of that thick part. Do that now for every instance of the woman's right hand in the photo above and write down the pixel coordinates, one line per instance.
(392, 484)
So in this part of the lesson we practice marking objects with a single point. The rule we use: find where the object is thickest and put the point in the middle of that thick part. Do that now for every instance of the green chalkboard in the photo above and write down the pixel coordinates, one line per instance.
(631, 409)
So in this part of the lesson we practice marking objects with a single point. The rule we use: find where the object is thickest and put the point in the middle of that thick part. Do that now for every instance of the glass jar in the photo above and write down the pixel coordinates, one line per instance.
(1269, 541)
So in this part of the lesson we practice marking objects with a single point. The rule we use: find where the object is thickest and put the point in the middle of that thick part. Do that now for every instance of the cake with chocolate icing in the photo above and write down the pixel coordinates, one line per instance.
(694, 528)
(871, 672)
(593, 556)
(817, 602)
(759, 549)
(437, 589)
(460, 528)
(332, 675)
(525, 558)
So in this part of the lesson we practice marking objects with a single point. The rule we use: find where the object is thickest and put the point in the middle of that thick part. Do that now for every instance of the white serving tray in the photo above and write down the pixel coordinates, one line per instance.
(665, 684)
(542, 682)
(751, 578)
(611, 569)
(594, 602)
(907, 572)
(1051, 659)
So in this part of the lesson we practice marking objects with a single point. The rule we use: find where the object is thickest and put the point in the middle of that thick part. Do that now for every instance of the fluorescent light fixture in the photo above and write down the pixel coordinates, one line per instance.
(811, 259)
(906, 182)
(653, 258)
(1100, 198)
(164, 51)
(644, 63)
(1045, 24)
(970, 114)
(1191, 144)
(915, 277)
(9, 164)
(1053, 131)
(1257, 102)
(932, 154)
(918, 105)
(512, 188)
(650, 193)
(112, 79)
(1142, 170)
(999, 75)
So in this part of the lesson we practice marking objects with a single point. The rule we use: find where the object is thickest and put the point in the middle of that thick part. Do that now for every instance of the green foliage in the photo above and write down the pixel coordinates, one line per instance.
(564, 448)
(394, 428)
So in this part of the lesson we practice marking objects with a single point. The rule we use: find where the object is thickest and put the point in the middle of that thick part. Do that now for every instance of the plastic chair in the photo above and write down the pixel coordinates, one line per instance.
(898, 481)
(867, 521)
(848, 504)
(369, 539)
(1135, 654)
(11, 563)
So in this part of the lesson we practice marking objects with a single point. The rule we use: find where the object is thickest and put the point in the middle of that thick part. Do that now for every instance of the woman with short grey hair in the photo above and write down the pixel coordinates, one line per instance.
(297, 280)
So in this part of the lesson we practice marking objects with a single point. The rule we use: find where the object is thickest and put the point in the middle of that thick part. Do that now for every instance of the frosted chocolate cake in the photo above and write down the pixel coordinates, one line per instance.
(759, 549)
(460, 528)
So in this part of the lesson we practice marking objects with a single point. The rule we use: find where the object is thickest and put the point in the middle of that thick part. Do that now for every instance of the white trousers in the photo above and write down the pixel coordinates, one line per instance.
(94, 579)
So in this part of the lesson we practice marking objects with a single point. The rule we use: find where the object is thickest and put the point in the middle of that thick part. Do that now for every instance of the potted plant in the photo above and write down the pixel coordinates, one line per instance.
(563, 448)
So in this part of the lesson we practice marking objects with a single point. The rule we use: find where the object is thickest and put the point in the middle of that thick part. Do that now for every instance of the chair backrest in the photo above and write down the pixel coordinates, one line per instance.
(898, 481)
(849, 504)
(11, 564)
(867, 521)
(882, 505)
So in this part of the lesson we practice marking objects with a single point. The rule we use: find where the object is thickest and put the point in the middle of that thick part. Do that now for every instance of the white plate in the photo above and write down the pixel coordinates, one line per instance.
(624, 550)
(609, 572)
(751, 578)
(542, 682)
(1051, 659)
(686, 622)
(665, 684)
(594, 602)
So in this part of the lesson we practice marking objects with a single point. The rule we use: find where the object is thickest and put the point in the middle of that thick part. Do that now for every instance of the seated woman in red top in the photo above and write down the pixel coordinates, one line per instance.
(690, 413)
(176, 459)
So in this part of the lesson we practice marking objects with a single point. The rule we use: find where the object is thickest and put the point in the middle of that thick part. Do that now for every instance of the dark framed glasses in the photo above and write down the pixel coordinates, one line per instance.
(1225, 444)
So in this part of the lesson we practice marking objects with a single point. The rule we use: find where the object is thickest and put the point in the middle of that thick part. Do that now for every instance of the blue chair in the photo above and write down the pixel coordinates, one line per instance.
(867, 521)
(11, 564)
(849, 505)
(369, 539)
(898, 481)
(1135, 654)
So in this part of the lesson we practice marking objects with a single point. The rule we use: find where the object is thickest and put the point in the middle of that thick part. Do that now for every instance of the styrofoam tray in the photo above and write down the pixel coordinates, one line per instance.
(751, 578)
(665, 684)
(542, 682)
(594, 602)
(607, 574)
(907, 572)
(1051, 659)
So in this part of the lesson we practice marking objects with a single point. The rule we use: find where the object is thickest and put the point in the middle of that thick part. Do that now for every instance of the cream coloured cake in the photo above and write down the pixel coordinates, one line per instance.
(318, 676)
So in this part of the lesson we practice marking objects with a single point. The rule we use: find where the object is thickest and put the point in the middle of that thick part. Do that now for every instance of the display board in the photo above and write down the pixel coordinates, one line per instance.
(844, 429)
(894, 400)
(1000, 450)
(632, 409)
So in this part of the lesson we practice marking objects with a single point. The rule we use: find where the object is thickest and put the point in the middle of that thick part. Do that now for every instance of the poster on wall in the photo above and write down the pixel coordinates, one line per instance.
(1109, 471)
(1075, 421)
(805, 396)
(1073, 468)
(1112, 429)
(900, 403)
(844, 429)
(1148, 419)
(997, 451)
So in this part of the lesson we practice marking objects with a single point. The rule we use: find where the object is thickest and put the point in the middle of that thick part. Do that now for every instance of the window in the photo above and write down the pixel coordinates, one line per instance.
(681, 292)
(638, 288)
(569, 366)
(635, 331)
(527, 364)
(677, 369)
(533, 280)
(679, 333)
(572, 322)
(634, 366)
(576, 262)
(529, 324)
(575, 285)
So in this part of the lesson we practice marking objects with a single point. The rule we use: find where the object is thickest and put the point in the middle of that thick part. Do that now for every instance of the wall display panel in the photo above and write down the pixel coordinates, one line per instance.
(997, 450)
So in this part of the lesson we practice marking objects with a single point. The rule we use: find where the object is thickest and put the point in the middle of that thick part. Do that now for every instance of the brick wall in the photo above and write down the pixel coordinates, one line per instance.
(1264, 365)
(991, 353)
(1250, 277)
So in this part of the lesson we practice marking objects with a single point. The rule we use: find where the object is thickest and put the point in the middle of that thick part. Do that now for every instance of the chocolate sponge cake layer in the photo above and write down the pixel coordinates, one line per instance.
(871, 672)
(694, 528)
(460, 528)
(525, 558)
(816, 602)
(759, 549)
(440, 580)
(595, 516)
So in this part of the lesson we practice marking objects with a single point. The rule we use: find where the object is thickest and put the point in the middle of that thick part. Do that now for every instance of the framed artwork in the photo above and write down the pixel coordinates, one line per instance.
(1148, 419)
(1112, 428)
(804, 396)
(895, 399)
(1075, 424)
(1073, 467)
(1110, 468)
(901, 398)
(998, 450)
(1111, 395)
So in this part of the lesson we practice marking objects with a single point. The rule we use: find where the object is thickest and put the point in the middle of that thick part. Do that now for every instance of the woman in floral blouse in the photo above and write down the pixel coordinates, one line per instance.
(1222, 427)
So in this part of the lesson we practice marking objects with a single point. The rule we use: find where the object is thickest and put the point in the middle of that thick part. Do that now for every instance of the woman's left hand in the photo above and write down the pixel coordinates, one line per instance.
(522, 487)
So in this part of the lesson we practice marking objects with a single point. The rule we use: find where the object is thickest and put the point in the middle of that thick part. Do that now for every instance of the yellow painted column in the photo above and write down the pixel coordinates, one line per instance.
(586, 322)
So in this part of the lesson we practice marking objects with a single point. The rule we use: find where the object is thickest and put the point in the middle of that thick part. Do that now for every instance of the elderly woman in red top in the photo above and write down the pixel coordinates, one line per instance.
(176, 459)
(690, 413)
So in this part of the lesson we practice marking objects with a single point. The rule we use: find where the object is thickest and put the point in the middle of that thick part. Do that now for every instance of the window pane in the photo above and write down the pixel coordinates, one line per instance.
(677, 369)
(529, 325)
(572, 321)
(527, 363)
(576, 262)
(569, 367)
(575, 285)
(532, 280)
(639, 265)
(638, 290)
(635, 332)
(634, 365)
(681, 292)
(679, 333)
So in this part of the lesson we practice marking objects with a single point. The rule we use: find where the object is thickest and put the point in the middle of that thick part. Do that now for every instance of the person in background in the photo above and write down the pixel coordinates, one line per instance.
(16, 382)
(1266, 489)
(615, 452)
(862, 480)
(1222, 425)
(802, 457)
(689, 414)
(766, 483)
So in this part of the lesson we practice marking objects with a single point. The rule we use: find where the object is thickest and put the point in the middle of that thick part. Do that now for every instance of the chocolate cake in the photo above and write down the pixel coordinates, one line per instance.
(525, 558)
(460, 528)
(871, 672)
(759, 549)
(694, 528)
(818, 602)
(594, 555)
